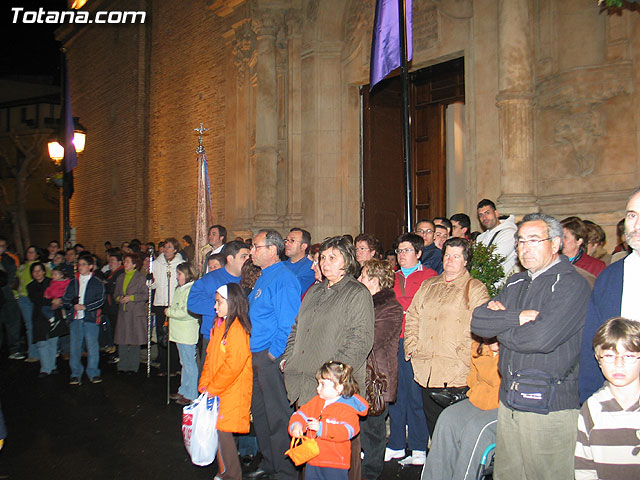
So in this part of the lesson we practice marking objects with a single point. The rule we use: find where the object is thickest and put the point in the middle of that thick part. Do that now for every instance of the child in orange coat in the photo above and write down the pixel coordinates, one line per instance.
(333, 416)
(227, 373)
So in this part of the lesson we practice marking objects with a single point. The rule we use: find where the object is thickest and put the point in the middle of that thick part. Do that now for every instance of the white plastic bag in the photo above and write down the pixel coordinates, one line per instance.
(199, 429)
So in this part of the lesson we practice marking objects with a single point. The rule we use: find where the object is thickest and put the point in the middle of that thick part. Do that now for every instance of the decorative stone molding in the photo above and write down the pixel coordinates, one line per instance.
(458, 9)
(581, 131)
(583, 87)
(593, 202)
(426, 28)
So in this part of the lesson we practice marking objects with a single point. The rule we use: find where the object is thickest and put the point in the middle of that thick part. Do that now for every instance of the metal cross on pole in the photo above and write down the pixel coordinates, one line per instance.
(201, 131)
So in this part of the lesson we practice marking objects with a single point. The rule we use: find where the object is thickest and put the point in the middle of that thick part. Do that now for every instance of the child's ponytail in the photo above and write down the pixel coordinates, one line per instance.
(341, 374)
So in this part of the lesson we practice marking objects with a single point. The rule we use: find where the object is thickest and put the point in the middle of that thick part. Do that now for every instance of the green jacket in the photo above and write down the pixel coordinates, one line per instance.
(183, 328)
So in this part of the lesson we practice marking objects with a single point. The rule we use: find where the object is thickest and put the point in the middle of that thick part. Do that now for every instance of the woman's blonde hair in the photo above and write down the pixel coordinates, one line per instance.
(380, 269)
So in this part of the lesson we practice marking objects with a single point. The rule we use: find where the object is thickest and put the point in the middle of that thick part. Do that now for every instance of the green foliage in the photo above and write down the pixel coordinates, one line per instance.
(487, 267)
(616, 3)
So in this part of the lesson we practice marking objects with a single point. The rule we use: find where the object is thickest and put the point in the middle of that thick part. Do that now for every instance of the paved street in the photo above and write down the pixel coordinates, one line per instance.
(118, 429)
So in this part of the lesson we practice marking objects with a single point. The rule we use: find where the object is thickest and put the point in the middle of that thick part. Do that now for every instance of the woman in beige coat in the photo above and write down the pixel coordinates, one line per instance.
(437, 335)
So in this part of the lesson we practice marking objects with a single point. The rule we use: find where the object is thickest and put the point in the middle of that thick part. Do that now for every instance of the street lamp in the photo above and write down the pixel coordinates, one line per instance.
(56, 150)
(56, 153)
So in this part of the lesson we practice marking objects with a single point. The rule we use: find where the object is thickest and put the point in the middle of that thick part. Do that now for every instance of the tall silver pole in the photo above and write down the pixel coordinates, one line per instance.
(168, 320)
(149, 283)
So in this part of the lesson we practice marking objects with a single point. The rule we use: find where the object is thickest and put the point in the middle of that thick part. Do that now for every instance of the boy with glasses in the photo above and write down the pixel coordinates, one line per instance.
(608, 444)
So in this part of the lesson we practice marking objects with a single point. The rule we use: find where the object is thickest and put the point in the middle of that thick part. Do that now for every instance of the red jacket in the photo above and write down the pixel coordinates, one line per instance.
(590, 264)
(227, 373)
(339, 423)
(406, 287)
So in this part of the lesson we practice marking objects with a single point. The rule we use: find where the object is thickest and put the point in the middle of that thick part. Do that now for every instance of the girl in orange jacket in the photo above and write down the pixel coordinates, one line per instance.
(227, 374)
(333, 416)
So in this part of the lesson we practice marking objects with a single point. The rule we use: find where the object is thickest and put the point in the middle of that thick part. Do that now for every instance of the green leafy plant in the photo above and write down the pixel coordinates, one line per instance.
(486, 266)
(616, 3)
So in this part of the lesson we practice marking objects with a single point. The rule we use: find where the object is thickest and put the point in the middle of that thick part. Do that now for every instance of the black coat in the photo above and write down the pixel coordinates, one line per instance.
(40, 322)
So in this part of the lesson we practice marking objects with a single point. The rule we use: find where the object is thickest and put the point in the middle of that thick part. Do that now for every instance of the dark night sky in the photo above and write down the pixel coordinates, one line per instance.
(29, 49)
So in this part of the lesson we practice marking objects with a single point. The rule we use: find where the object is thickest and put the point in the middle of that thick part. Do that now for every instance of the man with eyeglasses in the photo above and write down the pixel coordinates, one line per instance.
(537, 318)
(616, 293)
(296, 246)
(431, 256)
(273, 305)
(499, 233)
(203, 293)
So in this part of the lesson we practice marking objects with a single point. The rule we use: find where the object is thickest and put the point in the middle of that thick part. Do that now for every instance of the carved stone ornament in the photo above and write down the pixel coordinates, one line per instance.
(581, 131)
(243, 46)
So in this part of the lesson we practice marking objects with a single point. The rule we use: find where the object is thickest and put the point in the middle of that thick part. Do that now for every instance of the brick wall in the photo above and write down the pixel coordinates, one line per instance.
(147, 88)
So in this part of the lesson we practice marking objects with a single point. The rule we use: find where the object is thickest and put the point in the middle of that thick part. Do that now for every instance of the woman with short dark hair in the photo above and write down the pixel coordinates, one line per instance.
(335, 321)
(131, 293)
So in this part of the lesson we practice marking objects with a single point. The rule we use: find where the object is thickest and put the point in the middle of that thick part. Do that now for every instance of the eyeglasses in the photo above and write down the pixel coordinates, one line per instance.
(256, 247)
(627, 358)
(291, 240)
(404, 250)
(534, 242)
(422, 232)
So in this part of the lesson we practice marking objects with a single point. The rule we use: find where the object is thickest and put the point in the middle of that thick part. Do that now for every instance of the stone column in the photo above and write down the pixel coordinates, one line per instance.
(266, 121)
(515, 108)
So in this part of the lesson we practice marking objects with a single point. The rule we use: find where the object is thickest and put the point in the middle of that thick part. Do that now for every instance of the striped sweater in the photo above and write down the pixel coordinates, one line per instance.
(608, 443)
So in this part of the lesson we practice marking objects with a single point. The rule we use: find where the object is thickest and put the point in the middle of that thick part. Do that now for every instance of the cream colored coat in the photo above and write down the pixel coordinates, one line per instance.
(437, 334)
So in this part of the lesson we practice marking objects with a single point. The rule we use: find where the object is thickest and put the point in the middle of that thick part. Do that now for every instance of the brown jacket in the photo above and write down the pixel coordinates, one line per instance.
(386, 336)
(437, 334)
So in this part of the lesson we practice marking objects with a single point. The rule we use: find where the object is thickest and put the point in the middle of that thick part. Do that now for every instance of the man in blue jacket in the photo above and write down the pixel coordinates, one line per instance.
(615, 294)
(273, 306)
(82, 300)
(296, 247)
(202, 296)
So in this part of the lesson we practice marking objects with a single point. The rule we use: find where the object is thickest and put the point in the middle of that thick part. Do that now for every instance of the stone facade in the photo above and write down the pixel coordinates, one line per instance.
(551, 116)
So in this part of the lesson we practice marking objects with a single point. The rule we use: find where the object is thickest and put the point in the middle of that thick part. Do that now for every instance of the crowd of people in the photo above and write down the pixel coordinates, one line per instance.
(334, 339)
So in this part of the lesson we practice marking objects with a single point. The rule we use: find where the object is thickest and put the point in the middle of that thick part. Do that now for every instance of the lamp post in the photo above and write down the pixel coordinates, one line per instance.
(56, 153)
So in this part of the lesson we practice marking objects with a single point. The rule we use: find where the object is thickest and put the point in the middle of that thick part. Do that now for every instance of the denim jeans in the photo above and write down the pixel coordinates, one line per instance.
(189, 379)
(48, 350)
(26, 308)
(88, 331)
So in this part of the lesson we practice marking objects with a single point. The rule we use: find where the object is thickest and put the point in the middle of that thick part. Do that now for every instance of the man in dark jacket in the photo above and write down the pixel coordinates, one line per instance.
(83, 299)
(538, 319)
(9, 311)
(615, 294)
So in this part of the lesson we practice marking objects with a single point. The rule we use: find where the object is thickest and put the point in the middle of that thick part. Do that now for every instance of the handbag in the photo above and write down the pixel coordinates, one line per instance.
(375, 385)
(448, 396)
(302, 450)
(199, 421)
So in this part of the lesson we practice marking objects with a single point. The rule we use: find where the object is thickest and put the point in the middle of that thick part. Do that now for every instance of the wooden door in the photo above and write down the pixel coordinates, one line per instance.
(429, 161)
(382, 168)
